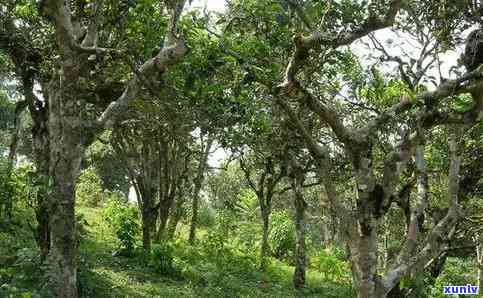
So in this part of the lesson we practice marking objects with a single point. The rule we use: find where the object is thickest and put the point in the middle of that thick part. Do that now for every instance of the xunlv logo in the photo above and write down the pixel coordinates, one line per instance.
(461, 290)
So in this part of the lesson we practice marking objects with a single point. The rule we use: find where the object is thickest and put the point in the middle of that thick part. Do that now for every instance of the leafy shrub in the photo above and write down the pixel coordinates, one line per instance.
(214, 243)
(205, 216)
(122, 218)
(89, 188)
(329, 262)
(81, 230)
(162, 258)
(456, 271)
(282, 235)
(248, 235)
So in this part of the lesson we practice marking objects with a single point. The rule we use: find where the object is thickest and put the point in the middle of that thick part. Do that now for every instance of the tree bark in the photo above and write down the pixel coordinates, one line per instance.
(198, 183)
(369, 195)
(43, 230)
(148, 210)
(264, 249)
(300, 258)
(66, 150)
(479, 259)
(174, 219)
(173, 167)
(163, 218)
(146, 228)
(40, 136)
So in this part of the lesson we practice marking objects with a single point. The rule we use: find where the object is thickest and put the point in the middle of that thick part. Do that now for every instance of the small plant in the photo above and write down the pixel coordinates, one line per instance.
(161, 258)
(123, 220)
(328, 262)
(89, 188)
(81, 230)
(282, 235)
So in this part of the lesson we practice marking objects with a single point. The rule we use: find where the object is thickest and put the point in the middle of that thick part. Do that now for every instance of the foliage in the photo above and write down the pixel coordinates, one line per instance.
(224, 186)
(282, 235)
(330, 263)
(122, 218)
(7, 184)
(161, 258)
(21, 272)
(456, 271)
(89, 188)
(108, 165)
(24, 271)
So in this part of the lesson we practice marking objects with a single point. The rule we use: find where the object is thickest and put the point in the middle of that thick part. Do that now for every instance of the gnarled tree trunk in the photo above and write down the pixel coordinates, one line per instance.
(43, 228)
(174, 219)
(42, 159)
(265, 248)
(148, 189)
(164, 210)
(300, 258)
(200, 174)
(66, 150)
(479, 259)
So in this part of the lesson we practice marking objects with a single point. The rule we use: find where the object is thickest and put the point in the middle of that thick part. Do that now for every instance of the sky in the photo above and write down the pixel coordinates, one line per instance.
(216, 5)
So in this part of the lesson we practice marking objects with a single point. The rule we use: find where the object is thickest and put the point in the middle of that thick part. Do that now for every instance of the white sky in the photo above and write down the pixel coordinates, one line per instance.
(217, 5)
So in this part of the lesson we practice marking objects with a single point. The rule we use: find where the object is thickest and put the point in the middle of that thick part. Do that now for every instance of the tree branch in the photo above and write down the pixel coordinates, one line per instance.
(166, 57)
(303, 44)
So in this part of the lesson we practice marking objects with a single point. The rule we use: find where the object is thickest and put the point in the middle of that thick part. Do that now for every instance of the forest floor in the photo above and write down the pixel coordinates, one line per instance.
(103, 275)
(202, 270)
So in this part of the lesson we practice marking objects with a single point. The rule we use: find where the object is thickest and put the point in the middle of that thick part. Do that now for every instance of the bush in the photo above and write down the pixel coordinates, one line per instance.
(162, 257)
(123, 219)
(206, 217)
(282, 235)
(329, 262)
(456, 271)
(89, 188)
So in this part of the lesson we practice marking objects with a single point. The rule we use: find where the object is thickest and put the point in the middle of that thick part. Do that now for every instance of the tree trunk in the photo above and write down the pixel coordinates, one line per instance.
(148, 213)
(43, 231)
(163, 220)
(66, 150)
(175, 218)
(194, 215)
(479, 259)
(62, 256)
(198, 183)
(265, 231)
(369, 286)
(172, 225)
(300, 258)
(146, 227)
(42, 213)
(368, 222)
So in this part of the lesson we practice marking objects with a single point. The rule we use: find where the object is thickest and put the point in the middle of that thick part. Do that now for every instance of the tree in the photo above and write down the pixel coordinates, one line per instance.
(300, 206)
(67, 124)
(263, 174)
(198, 180)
